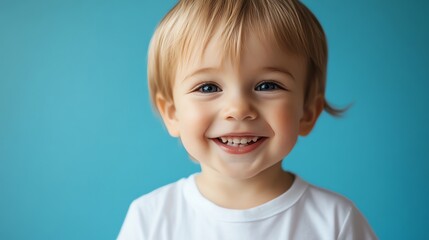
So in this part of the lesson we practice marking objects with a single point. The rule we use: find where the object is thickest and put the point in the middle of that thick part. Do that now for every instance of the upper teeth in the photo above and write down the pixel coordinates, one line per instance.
(238, 140)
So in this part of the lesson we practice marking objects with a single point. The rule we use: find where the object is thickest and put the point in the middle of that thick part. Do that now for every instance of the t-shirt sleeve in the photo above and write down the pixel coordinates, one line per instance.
(132, 228)
(356, 227)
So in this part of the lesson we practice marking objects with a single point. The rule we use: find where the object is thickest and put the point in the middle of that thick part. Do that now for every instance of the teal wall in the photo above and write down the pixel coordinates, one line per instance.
(79, 141)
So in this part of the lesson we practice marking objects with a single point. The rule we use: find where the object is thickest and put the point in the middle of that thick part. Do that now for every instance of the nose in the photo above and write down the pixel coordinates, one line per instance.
(239, 108)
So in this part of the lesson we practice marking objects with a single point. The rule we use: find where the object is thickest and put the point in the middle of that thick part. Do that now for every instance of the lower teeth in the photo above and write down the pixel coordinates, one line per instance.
(237, 144)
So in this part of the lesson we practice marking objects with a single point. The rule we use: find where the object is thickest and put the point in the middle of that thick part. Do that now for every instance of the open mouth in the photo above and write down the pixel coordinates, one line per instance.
(239, 144)
(238, 141)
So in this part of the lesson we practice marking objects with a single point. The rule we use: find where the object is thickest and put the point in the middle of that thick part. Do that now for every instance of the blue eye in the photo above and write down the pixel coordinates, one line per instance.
(208, 88)
(268, 86)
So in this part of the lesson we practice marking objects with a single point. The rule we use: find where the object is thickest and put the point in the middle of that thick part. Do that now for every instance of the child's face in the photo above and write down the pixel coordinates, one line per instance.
(239, 119)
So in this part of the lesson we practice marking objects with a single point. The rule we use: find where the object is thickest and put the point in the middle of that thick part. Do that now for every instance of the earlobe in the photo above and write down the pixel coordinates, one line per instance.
(167, 111)
(311, 114)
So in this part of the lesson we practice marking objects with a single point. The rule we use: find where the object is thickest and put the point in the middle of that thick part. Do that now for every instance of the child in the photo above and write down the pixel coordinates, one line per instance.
(237, 81)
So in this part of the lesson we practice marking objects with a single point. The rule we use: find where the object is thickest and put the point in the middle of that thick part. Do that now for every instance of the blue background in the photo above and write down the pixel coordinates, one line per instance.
(79, 140)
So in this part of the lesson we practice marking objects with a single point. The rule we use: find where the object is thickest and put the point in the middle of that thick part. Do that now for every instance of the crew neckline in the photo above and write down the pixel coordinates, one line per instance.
(275, 206)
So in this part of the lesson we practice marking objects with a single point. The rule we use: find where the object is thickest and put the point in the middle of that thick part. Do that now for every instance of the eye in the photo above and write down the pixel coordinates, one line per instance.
(268, 86)
(208, 88)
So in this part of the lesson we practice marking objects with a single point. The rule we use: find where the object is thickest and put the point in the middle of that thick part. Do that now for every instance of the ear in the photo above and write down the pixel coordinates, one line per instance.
(312, 112)
(168, 113)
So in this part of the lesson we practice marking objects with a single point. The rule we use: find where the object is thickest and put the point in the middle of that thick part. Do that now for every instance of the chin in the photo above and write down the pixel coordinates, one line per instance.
(240, 174)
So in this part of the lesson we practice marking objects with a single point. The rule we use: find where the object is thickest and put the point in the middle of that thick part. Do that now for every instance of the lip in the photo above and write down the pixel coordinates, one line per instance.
(241, 149)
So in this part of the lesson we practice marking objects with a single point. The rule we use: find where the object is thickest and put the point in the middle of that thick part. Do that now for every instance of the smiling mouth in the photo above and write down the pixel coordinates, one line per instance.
(239, 144)
(238, 141)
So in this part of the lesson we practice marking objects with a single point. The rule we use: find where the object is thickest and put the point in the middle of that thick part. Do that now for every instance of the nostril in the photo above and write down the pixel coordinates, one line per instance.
(239, 108)
(241, 114)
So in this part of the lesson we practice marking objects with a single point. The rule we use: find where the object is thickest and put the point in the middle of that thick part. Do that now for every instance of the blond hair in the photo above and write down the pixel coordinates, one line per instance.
(190, 25)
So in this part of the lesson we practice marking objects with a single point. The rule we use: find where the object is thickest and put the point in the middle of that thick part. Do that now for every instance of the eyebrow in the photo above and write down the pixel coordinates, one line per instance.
(280, 70)
(200, 71)
(213, 69)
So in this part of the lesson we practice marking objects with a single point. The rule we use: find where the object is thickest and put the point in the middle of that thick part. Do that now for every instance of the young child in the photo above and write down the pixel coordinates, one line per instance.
(237, 81)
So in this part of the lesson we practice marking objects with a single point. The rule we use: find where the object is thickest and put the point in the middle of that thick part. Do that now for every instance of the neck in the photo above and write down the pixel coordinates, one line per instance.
(235, 193)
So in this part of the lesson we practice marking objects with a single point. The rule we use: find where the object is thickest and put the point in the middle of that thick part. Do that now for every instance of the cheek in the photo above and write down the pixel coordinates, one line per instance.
(285, 125)
(190, 114)
(285, 117)
(194, 121)
(286, 129)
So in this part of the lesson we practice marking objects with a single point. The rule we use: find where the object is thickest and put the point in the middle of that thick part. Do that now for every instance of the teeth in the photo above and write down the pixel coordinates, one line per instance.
(236, 141)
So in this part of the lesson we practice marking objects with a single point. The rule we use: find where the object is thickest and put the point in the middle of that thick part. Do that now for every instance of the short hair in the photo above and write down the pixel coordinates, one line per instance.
(190, 24)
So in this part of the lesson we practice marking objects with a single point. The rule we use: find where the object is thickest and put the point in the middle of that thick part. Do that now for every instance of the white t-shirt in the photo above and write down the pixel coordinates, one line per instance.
(304, 212)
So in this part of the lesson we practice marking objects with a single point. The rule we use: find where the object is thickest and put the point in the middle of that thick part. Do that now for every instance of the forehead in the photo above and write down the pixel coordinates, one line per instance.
(253, 52)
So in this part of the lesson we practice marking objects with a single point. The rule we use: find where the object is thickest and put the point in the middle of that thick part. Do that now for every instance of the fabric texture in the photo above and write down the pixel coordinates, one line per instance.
(180, 211)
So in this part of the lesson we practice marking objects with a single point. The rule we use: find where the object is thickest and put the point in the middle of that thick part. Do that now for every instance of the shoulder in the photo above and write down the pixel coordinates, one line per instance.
(327, 199)
(330, 210)
(166, 195)
(147, 213)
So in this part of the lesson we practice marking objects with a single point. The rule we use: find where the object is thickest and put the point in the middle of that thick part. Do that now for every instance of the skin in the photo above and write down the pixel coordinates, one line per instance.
(260, 97)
